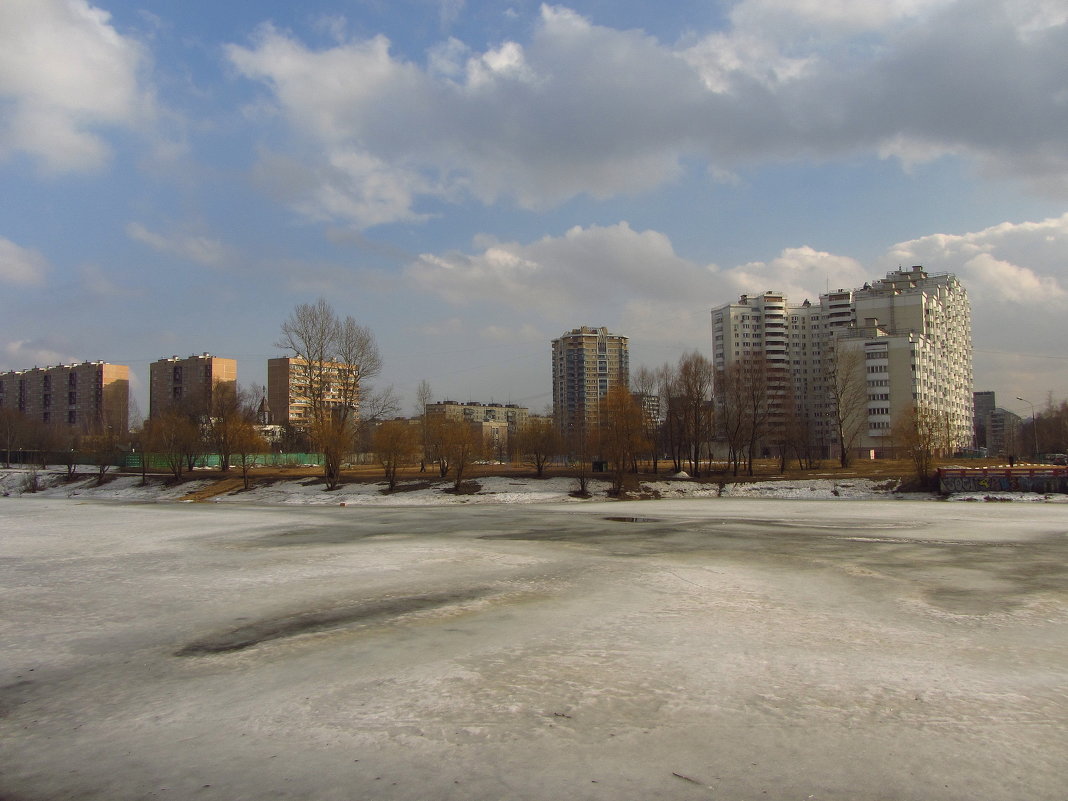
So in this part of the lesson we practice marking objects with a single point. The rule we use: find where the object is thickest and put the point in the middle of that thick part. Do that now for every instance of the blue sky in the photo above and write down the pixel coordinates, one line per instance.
(471, 179)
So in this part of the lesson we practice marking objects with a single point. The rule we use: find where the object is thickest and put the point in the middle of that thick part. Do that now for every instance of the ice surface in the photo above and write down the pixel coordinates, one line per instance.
(718, 647)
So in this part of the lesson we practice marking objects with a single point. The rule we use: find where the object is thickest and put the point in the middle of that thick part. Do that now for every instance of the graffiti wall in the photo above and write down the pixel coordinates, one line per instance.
(1044, 481)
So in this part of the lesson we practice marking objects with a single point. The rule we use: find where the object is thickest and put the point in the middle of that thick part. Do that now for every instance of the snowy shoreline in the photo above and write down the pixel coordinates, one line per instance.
(309, 490)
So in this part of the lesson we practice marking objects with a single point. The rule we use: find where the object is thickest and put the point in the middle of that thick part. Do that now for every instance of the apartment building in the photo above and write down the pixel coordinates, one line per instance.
(1002, 433)
(911, 336)
(587, 362)
(290, 384)
(984, 402)
(190, 382)
(513, 415)
(496, 423)
(85, 396)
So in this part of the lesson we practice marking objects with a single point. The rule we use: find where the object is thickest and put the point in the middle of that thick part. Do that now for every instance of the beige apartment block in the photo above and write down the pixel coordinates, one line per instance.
(473, 412)
(912, 328)
(190, 382)
(288, 385)
(88, 396)
(587, 362)
(496, 423)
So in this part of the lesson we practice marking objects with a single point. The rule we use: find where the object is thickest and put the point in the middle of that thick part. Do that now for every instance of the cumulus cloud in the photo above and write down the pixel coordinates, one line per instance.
(800, 272)
(200, 249)
(22, 354)
(21, 266)
(1015, 277)
(65, 72)
(560, 276)
(583, 109)
(1005, 265)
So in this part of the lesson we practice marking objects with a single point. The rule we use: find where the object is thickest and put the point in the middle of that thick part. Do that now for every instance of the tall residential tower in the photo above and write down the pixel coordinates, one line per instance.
(587, 362)
(910, 336)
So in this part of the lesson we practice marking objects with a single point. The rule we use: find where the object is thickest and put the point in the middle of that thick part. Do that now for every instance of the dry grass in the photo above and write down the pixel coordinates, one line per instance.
(763, 470)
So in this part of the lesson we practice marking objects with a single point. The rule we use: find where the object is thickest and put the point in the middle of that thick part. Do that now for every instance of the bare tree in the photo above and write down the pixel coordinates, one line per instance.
(423, 395)
(333, 357)
(231, 409)
(730, 417)
(643, 383)
(248, 444)
(100, 447)
(538, 443)
(375, 406)
(756, 411)
(919, 432)
(437, 435)
(693, 401)
(622, 432)
(13, 430)
(395, 444)
(673, 429)
(460, 445)
(847, 396)
(581, 445)
(172, 435)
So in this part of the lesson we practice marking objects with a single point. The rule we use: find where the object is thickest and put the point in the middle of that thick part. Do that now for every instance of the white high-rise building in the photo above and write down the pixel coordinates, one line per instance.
(912, 328)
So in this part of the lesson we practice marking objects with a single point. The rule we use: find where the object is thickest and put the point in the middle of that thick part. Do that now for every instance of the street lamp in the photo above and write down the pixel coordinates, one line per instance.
(1034, 425)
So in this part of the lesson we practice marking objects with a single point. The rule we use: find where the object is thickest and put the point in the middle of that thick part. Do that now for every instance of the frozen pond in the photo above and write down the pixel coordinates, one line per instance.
(697, 649)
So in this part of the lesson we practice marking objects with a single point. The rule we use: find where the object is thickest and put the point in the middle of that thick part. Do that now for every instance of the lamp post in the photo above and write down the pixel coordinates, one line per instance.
(1034, 426)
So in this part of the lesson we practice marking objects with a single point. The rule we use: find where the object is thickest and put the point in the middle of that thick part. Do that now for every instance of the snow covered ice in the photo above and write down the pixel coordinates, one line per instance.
(720, 647)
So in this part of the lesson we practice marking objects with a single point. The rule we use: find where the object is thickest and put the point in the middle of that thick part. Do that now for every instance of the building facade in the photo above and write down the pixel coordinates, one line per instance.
(290, 386)
(88, 396)
(190, 382)
(909, 336)
(1002, 433)
(513, 415)
(984, 403)
(587, 362)
(497, 424)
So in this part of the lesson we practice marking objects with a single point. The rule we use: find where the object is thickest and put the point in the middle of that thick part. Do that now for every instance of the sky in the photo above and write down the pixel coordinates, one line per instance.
(473, 178)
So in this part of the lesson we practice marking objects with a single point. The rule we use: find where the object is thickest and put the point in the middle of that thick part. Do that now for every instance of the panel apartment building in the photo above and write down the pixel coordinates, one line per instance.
(84, 396)
(496, 423)
(190, 382)
(912, 328)
(587, 362)
(288, 386)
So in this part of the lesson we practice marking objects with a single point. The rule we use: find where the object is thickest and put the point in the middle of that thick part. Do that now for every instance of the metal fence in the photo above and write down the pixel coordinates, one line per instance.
(133, 461)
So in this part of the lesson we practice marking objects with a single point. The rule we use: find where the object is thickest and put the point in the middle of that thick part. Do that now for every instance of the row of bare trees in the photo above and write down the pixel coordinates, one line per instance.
(182, 433)
(39, 443)
(1047, 432)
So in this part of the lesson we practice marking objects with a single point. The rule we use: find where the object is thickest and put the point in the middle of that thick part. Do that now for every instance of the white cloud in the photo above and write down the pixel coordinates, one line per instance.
(194, 247)
(23, 354)
(563, 278)
(65, 72)
(800, 272)
(21, 266)
(842, 15)
(1015, 275)
(583, 109)
(1005, 265)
